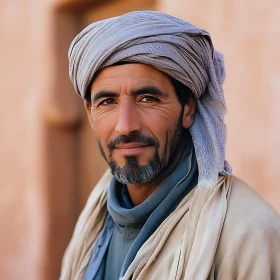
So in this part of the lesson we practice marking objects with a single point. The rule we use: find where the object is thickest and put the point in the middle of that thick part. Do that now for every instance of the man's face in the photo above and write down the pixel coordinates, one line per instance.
(137, 119)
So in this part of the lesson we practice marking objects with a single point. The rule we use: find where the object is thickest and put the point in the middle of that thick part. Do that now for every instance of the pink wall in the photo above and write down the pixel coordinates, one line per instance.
(25, 79)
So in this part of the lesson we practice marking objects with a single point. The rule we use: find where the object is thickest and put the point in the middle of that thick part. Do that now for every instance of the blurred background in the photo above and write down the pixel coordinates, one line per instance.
(49, 156)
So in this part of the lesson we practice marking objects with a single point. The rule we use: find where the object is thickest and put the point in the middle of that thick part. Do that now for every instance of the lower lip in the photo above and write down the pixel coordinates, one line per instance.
(132, 151)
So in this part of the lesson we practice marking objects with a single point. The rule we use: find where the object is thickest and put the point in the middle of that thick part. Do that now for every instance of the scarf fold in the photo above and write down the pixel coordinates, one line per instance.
(193, 258)
(199, 237)
(165, 195)
(158, 206)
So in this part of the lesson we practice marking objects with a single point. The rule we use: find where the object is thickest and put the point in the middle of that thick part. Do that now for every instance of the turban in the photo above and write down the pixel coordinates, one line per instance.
(175, 47)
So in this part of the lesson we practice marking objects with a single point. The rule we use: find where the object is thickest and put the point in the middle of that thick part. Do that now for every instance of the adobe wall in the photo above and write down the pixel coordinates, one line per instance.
(26, 72)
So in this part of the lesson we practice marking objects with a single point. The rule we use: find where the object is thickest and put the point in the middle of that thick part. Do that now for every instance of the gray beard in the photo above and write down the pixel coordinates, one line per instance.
(134, 173)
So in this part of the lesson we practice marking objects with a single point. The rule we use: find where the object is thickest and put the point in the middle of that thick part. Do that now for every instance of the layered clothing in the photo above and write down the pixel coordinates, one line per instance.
(239, 240)
(132, 226)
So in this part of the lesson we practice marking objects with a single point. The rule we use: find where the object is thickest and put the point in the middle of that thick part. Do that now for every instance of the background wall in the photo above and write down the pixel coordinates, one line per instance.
(25, 77)
(49, 158)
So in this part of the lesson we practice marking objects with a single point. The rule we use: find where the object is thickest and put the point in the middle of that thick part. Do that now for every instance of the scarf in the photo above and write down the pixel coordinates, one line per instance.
(199, 236)
(157, 207)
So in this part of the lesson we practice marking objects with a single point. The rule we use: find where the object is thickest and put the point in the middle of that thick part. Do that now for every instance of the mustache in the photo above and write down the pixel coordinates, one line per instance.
(125, 139)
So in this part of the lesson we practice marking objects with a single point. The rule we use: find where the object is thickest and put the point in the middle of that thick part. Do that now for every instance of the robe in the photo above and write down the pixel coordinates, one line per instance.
(234, 235)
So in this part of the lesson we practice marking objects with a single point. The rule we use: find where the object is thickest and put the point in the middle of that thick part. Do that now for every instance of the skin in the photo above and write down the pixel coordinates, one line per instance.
(139, 99)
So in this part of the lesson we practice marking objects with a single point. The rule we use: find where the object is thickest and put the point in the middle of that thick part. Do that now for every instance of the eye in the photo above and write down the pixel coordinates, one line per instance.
(148, 99)
(107, 102)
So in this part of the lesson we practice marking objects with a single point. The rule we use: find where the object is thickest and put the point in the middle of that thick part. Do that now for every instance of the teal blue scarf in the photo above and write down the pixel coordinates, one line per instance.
(157, 207)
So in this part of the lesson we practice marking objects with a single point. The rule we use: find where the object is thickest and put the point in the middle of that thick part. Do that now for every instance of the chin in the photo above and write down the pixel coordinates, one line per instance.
(134, 173)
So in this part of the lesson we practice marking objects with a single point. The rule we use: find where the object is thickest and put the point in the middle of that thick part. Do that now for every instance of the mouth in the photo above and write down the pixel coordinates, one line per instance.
(130, 149)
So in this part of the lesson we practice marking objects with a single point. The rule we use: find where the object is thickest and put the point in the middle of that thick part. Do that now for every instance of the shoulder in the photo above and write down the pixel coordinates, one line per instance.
(249, 244)
(248, 209)
(249, 217)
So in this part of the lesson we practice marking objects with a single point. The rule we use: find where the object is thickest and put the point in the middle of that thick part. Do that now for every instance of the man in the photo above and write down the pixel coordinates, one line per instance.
(151, 85)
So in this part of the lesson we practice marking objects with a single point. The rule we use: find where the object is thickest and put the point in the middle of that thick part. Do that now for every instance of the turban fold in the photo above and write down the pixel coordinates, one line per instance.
(175, 47)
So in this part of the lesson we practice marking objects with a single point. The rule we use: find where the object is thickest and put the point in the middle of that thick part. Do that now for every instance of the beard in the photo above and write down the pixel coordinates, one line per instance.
(135, 173)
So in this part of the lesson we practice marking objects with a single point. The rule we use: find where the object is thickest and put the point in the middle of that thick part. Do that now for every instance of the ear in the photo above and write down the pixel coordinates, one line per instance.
(189, 113)
(88, 111)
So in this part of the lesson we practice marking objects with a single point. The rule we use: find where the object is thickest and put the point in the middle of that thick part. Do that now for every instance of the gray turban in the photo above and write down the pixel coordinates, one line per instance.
(176, 48)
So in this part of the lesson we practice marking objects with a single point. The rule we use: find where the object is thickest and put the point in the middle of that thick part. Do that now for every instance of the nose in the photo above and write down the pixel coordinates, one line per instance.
(128, 119)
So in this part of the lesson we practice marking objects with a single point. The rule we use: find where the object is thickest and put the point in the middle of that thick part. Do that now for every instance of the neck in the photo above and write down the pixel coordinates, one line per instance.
(140, 192)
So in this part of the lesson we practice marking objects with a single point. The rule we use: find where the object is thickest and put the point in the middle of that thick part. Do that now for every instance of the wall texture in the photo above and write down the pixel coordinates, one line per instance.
(37, 213)
(24, 79)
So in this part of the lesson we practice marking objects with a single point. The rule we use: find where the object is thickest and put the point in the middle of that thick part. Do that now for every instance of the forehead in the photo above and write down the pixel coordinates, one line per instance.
(130, 74)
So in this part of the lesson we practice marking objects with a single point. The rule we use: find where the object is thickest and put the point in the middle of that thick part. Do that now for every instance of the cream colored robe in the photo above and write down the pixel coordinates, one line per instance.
(226, 233)
(249, 246)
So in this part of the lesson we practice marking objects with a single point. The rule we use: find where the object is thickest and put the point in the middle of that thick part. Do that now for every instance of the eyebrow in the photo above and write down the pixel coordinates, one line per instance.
(103, 94)
(148, 89)
(144, 90)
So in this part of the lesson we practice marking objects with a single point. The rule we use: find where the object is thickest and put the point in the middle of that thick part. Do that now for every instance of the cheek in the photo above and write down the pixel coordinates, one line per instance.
(162, 120)
(167, 112)
(103, 125)
(163, 125)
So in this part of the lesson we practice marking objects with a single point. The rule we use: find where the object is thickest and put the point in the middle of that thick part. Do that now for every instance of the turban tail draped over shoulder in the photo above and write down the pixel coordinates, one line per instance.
(175, 47)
